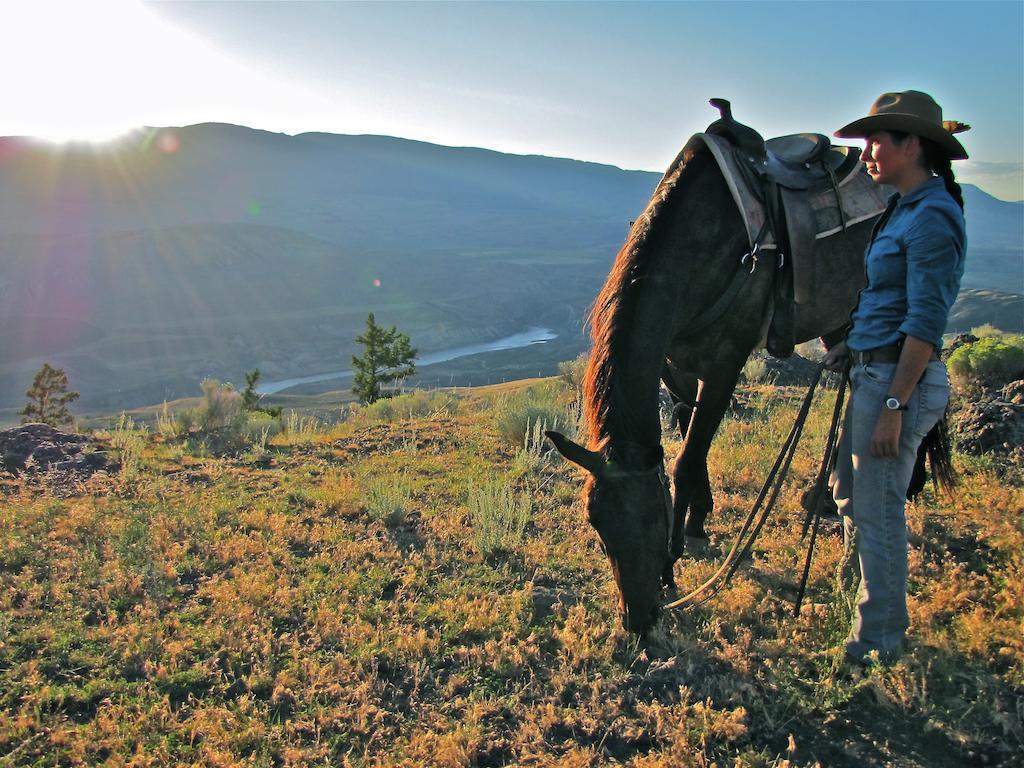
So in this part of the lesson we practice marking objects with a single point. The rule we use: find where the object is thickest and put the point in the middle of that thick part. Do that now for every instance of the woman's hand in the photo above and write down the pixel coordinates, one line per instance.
(885, 440)
(837, 359)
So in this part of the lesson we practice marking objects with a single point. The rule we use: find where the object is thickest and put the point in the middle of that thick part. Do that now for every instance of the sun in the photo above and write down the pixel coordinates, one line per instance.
(93, 71)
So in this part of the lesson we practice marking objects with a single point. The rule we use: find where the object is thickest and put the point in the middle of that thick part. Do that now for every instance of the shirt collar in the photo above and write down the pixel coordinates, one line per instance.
(924, 190)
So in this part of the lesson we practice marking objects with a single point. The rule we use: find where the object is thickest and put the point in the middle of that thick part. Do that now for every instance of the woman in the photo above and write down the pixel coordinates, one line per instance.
(899, 385)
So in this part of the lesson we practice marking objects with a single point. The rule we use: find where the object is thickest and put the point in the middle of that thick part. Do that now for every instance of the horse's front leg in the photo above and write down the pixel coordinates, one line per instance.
(693, 497)
(683, 389)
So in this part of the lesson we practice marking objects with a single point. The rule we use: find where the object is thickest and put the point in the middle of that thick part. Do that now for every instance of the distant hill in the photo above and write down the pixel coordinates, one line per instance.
(178, 253)
(976, 307)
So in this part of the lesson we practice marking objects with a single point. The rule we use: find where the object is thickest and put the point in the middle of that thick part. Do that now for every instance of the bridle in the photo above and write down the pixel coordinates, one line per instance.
(614, 473)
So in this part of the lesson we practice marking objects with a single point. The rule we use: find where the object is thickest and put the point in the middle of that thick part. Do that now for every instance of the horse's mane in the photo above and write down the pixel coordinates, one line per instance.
(612, 311)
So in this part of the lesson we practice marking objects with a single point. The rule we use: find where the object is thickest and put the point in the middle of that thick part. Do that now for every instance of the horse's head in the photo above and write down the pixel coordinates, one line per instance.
(629, 504)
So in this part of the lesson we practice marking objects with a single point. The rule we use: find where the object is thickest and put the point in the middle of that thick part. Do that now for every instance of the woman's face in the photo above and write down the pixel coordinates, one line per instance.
(887, 160)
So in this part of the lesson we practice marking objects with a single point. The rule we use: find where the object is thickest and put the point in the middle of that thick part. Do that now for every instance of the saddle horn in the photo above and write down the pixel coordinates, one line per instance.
(724, 108)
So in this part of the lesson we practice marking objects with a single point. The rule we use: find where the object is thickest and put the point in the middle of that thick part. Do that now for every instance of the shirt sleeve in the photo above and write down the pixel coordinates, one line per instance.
(935, 250)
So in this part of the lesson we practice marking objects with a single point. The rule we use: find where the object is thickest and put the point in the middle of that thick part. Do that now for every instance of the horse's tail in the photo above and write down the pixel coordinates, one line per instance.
(937, 447)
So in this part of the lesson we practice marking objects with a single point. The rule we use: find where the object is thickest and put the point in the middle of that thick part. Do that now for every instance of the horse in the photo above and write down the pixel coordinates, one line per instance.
(678, 259)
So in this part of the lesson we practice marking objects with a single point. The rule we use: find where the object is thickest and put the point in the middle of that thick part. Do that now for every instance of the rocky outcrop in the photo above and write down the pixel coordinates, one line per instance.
(32, 449)
(960, 340)
(993, 422)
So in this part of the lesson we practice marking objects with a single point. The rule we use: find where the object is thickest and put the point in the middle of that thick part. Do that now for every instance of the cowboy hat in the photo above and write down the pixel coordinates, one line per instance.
(910, 112)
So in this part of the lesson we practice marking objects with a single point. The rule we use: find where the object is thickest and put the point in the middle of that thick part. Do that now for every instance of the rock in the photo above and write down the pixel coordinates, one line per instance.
(792, 371)
(548, 600)
(960, 340)
(994, 422)
(32, 449)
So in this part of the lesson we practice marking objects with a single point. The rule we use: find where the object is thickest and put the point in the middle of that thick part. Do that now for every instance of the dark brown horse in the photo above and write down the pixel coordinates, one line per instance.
(679, 258)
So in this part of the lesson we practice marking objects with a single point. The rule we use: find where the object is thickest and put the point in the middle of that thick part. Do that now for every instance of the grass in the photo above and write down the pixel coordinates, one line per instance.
(221, 611)
(498, 516)
(386, 498)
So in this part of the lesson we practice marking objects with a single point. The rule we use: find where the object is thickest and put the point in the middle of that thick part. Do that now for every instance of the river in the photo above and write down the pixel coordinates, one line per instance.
(525, 338)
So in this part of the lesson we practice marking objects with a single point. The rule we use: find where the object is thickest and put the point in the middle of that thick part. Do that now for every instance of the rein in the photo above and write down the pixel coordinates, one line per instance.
(773, 484)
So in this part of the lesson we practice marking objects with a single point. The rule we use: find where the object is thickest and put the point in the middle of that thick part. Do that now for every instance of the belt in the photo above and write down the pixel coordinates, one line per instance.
(887, 354)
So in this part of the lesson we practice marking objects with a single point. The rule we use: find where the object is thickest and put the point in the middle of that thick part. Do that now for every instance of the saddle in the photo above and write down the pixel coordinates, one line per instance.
(791, 192)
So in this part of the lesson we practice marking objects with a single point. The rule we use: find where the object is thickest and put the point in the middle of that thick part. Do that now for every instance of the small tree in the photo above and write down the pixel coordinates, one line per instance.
(250, 398)
(387, 356)
(48, 398)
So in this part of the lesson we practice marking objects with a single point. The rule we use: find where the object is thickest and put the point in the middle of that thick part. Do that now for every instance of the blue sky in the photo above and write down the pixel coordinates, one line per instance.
(620, 83)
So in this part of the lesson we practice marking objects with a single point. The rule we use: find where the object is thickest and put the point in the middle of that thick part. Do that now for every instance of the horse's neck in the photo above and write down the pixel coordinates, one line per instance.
(642, 344)
(685, 248)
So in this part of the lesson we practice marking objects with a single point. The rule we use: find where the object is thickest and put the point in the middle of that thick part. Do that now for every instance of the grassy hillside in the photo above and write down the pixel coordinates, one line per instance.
(414, 587)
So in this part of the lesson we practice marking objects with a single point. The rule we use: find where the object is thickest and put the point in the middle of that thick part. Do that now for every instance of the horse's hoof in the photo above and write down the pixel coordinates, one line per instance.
(697, 547)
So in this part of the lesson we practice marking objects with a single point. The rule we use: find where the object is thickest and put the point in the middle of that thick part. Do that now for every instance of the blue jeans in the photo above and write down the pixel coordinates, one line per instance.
(871, 495)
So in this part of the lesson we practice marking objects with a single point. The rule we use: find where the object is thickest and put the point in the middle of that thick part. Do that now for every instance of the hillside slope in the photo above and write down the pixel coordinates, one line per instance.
(334, 597)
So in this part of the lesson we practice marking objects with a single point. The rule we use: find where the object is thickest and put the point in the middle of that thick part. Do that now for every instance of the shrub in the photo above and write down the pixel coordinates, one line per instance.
(991, 362)
(297, 429)
(515, 414)
(756, 367)
(129, 440)
(259, 426)
(571, 373)
(221, 407)
(498, 516)
(167, 425)
(419, 402)
(985, 331)
(219, 422)
(386, 498)
(535, 451)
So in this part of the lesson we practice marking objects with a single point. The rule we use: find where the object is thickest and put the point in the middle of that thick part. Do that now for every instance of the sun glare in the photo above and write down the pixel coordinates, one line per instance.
(93, 71)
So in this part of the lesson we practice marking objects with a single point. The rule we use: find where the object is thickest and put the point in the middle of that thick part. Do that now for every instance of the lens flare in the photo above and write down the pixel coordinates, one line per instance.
(167, 142)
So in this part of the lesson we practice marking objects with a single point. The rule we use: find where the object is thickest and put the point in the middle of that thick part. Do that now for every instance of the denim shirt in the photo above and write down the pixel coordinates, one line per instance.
(913, 264)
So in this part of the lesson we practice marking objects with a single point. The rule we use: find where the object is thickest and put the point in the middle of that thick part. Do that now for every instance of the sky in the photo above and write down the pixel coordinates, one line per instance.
(618, 83)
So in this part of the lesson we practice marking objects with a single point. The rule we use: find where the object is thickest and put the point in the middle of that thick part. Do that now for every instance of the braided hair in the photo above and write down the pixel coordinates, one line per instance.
(938, 162)
(935, 159)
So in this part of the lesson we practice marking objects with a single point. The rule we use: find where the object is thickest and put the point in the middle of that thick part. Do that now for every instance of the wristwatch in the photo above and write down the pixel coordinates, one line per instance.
(893, 404)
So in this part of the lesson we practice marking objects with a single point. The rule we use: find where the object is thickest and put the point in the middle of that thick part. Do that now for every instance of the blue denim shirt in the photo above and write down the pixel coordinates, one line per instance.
(913, 264)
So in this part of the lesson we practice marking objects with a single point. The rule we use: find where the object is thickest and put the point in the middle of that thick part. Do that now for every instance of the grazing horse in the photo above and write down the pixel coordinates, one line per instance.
(678, 260)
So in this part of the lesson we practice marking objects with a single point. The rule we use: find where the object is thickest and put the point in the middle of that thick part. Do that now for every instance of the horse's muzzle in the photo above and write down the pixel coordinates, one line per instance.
(641, 624)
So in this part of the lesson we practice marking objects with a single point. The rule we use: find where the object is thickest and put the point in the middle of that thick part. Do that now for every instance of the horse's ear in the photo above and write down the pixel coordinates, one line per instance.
(592, 461)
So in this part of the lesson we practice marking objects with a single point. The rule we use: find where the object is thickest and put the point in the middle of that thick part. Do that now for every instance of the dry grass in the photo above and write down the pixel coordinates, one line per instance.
(209, 612)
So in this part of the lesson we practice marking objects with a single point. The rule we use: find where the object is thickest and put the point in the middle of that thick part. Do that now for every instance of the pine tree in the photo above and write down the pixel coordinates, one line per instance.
(250, 398)
(48, 398)
(387, 356)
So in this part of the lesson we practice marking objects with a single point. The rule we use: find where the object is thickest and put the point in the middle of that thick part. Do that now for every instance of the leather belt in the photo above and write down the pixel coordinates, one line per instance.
(887, 354)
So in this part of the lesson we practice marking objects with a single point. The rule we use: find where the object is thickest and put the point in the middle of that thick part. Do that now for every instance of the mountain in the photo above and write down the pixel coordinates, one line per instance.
(145, 265)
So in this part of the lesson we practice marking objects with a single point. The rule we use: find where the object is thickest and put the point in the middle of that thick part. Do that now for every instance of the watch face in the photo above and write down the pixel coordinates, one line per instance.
(892, 404)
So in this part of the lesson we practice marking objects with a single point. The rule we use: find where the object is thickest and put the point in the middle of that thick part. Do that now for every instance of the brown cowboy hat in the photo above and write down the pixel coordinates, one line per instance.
(910, 112)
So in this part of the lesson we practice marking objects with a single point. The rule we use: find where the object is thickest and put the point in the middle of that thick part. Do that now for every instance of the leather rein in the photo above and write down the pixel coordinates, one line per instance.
(757, 516)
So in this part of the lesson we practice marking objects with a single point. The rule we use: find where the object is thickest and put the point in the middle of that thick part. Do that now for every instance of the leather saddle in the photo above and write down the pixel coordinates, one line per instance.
(796, 161)
(785, 178)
